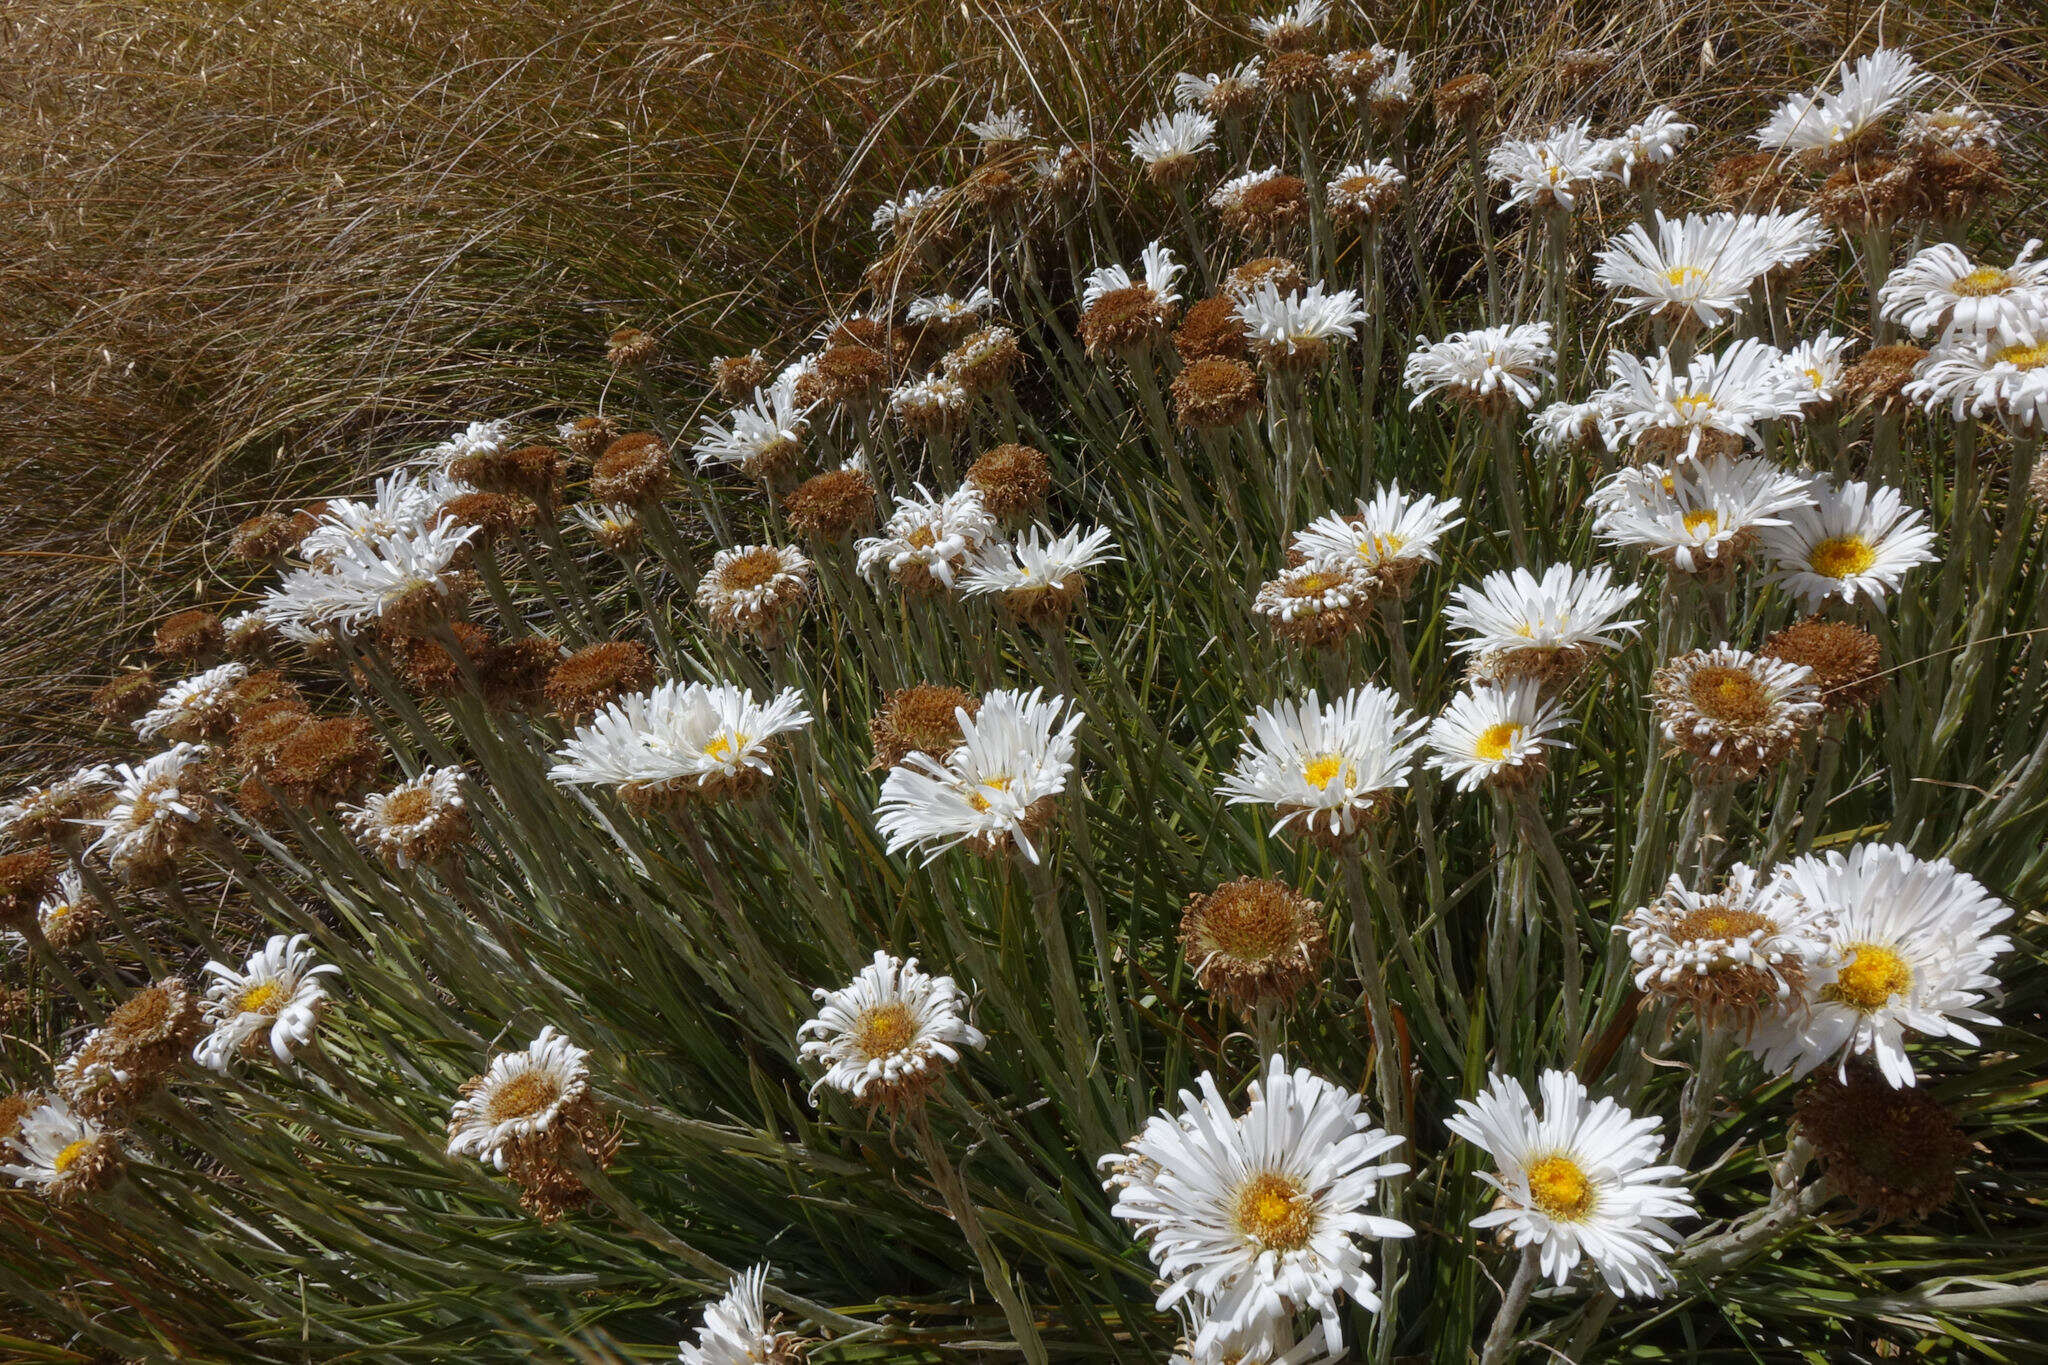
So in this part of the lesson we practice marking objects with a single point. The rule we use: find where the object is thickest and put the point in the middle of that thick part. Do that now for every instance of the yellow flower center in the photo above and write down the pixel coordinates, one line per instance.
(1871, 977)
(1842, 556)
(261, 998)
(1559, 1189)
(1702, 523)
(1275, 1213)
(1720, 924)
(1731, 695)
(1983, 282)
(67, 1158)
(751, 571)
(1678, 276)
(2023, 357)
(522, 1097)
(1493, 746)
(1690, 405)
(999, 783)
(1815, 377)
(923, 538)
(885, 1030)
(1314, 584)
(1319, 771)
(1381, 547)
(723, 747)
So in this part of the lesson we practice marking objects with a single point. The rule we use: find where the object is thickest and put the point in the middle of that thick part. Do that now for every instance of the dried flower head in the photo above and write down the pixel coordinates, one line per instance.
(1893, 1152)
(1846, 661)
(921, 719)
(1289, 74)
(1750, 181)
(26, 880)
(267, 537)
(189, 636)
(1216, 392)
(1120, 315)
(1732, 954)
(531, 472)
(736, 376)
(598, 674)
(124, 1060)
(1212, 331)
(492, 514)
(1870, 194)
(1736, 713)
(755, 590)
(515, 672)
(418, 821)
(614, 525)
(126, 695)
(1576, 67)
(987, 362)
(1254, 942)
(1264, 204)
(992, 190)
(1363, 191)
(1464, 100)
(847, 374)
(52, 811)
(322, 762)
(631, 346)
(1320, 603)
(160, 807)
(586, 437)
(832, 505)
(633, 469)
(1013, 480)
(531, 1115)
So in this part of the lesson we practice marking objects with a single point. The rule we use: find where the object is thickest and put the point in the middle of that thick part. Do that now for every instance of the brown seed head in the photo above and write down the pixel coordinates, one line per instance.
(1013, 480)
(1356, 70)
(832, 505)
(529, 472)
(1578, 67)
(848, 373)
(127, 695)
(1465, 100)
(987, 362)
(265, 538)
(1279, 271)
(261, 728)
(189, 636)
(1871, 193)
(992, 189)
(597, 674)
(1216, 393)
(1750, 182)
(735, 377)
(1270, 209)
(919, 719)
(631, 346)
(25, 879)
(1846, 660)
(1894, 1152)
(1959, 181)
(1254, 942)
(325, 761)
(1124, 320)
(633, 469)
(493, 514)
(1211, 331)
(515, 672)
(1879, 377)
(1294, 73)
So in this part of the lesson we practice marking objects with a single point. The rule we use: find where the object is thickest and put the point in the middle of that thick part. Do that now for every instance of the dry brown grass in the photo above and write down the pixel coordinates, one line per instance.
(250, 246)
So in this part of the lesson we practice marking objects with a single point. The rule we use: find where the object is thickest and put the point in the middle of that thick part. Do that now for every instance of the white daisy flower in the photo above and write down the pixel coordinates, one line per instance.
(995, 788)
(1496, 733)
(1298, 326)
(1702, 266)
(1172, 140)
(38, 806)
(1817, 364)
(1560, 427)
(678, 740)
(1941, 288)
(1038, 566)
(521, 1096)
(1396, 87)
(1392, 536)
(899, 214)
(928, 537)
(759, 437)
(1191, 91)
(1746, 946)
(1513, 613)
(398, 574)
(1733, 393)
(59, 1152)
(754, 588)
(611, 524)
(934, 402)
(1957, 128)
(1877, 84)
(1578, 1180)
(1552, 171)
(159, 805)
(1646, 145)
(1488, 366)
(735, 1330)
(1972, 379)
(1791, 237)
(1265, 1344)
(192, 706)
(1161, 274)
(402, 504)
(1011, 125)
(276, 997)
(478, 438)
(1294, 23)
(1908, 948)
(1363, 188)
(887, 1036)
(1329, 766)
(1255, 1218)
(944, 308)
(1854, 541)
(1700, 515)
